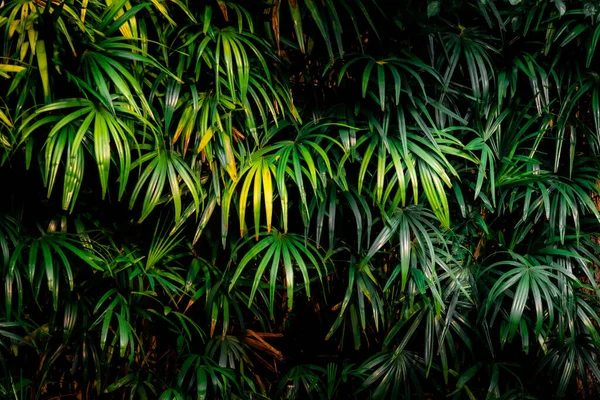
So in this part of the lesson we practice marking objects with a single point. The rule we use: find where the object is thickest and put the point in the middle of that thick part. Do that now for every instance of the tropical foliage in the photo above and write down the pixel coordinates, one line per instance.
(299, 199)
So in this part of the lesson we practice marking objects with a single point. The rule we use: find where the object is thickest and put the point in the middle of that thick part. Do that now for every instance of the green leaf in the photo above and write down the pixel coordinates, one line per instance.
(433, 8)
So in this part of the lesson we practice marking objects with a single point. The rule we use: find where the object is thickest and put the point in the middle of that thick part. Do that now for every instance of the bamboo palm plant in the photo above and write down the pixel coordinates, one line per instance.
(293, 199)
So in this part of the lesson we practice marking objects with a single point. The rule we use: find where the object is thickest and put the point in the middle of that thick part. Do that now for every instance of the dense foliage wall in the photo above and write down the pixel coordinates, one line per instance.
(299, 199)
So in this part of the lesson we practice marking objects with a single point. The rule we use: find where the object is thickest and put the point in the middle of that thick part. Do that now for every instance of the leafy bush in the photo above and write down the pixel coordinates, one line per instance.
(414, 185)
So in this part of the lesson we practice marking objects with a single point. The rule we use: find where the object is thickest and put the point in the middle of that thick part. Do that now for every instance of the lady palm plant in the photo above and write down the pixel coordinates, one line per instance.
(415, 187)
